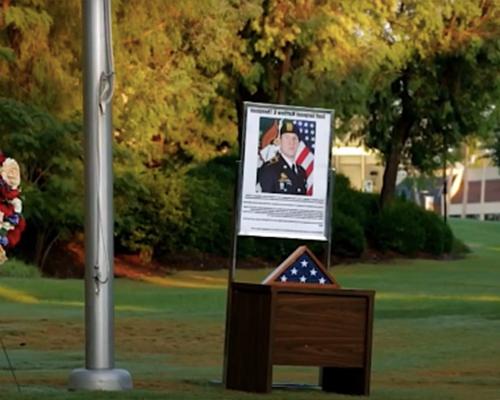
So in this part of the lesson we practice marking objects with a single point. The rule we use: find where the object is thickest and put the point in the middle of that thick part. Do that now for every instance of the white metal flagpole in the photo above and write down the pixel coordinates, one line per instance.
(99, 372)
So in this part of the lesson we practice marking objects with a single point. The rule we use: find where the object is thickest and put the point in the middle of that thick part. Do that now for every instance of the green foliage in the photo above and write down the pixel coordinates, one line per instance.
(494, 142)
(358, 209)
(362, 207)
(181, 67)
(399, 228)
(50, 155)
(407, 228)
(6, 54)
(171, 80)
(311, 53)
(444, 88)
(43, 56)
(438, 235)
(18, 269)
(211, 188)
(149, 203)
(348, 238)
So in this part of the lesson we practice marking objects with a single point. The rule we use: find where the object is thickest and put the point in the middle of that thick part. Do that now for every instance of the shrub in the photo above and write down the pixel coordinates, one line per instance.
(438, 235)
(348, 239)
(346, 200)
(149, 203)
(406, 228)
(17, 269)
(210, 202)
(399, 228)
(363, 207)
(458, 248)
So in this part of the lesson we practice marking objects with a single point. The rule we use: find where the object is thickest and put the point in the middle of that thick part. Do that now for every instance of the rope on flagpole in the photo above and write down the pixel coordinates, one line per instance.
(106, 91)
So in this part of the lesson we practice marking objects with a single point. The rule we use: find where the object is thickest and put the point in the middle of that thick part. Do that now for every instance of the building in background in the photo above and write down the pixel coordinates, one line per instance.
(362, 166)
(478, 194)
(473, 187)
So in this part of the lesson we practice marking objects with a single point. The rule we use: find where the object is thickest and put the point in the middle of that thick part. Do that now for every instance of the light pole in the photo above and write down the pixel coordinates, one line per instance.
(445, 183)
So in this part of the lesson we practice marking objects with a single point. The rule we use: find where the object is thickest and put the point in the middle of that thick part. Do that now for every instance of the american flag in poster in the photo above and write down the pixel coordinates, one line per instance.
(305, 152)
(304, 270)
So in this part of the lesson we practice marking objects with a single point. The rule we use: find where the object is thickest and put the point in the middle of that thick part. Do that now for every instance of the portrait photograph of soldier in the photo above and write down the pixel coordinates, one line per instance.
(286, 156)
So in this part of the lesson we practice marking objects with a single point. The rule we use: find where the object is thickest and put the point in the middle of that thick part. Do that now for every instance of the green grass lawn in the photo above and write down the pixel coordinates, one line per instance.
(436, 333)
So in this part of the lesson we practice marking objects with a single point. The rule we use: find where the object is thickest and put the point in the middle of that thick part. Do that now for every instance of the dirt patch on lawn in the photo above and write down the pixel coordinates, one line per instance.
(183, 342)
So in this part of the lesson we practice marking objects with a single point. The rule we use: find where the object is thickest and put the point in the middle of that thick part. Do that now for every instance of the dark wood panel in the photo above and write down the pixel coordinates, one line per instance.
(322, 330)
(249, 364)
(331, 328)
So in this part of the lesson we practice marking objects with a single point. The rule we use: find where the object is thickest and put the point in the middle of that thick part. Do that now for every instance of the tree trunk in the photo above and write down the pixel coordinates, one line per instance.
(5, 5)
(284, 70)
(390, 174)
(400, 135)
(39, 248)
(393, 158)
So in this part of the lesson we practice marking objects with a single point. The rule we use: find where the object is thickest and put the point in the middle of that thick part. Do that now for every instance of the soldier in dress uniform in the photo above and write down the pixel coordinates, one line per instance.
(281, 174)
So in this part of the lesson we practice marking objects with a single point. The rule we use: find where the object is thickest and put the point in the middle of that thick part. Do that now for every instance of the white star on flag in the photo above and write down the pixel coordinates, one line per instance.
(303, 278)
(313, 272)
(322, 281)
(294, 271)
(283, 278)
(303, 263)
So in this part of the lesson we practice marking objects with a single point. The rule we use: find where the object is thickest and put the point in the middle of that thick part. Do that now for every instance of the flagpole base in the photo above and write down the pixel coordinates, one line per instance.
(100, 379)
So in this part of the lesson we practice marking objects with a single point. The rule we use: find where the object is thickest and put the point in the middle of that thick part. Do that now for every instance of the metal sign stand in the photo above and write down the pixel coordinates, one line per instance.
(237, 200)
(331, 189)
(234, 244)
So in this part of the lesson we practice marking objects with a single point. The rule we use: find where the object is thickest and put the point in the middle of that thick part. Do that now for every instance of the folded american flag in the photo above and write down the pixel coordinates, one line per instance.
(301, 268)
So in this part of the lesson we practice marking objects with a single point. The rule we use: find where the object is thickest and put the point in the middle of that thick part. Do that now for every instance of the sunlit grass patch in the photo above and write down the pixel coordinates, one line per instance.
(17, 296)
(434, 297)
(176, 282)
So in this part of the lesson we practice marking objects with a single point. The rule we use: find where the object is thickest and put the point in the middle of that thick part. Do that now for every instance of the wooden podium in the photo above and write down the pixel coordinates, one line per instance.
(306, 326)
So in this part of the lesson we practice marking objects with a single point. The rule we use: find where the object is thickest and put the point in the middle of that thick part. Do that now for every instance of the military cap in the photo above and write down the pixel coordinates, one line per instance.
(289, 127)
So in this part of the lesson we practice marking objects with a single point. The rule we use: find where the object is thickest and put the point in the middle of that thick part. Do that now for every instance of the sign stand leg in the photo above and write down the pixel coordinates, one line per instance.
(232, 266)
(331, 185)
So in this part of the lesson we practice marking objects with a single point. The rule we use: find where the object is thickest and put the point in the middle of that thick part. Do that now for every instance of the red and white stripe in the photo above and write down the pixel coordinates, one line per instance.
(305, 159)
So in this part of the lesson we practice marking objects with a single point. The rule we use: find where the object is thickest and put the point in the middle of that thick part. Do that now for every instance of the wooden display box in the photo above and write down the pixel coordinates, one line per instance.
(278, 325)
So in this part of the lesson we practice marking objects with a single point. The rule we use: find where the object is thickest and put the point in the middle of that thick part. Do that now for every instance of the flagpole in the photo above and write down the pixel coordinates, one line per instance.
(99, 372)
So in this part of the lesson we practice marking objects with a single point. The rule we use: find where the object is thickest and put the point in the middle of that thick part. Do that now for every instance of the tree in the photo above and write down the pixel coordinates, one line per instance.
(311, 53)
(446, 88)
(173, 95)
(39, 59)
(172, 101)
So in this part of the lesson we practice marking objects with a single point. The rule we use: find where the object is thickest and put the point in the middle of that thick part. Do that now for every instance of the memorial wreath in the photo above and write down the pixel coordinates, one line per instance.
(12, 223)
